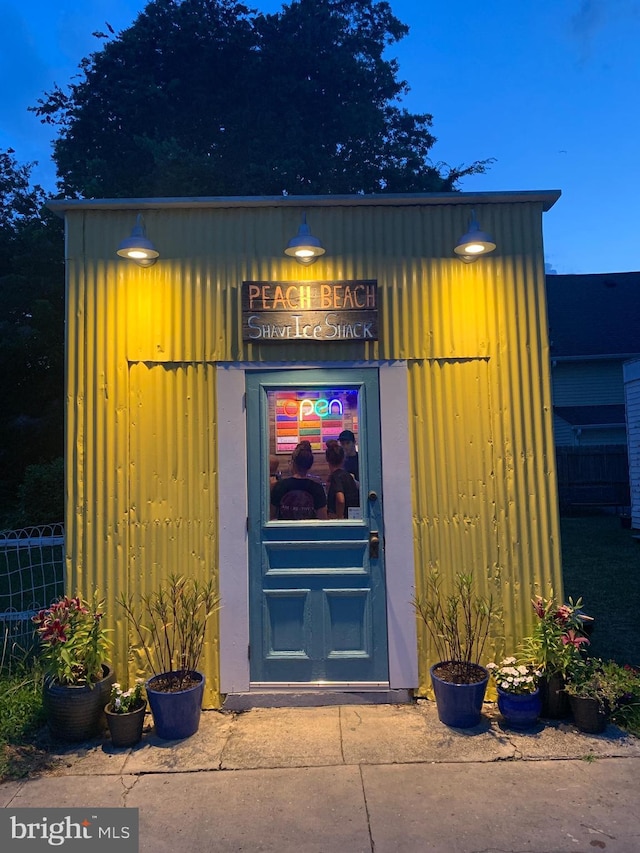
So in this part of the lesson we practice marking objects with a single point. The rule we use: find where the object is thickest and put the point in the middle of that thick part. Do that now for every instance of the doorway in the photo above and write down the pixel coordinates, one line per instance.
(317, 592)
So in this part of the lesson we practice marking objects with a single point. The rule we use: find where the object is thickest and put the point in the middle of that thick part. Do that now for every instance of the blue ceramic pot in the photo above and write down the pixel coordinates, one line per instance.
(459, 705)
(176, 714)
(519, 711)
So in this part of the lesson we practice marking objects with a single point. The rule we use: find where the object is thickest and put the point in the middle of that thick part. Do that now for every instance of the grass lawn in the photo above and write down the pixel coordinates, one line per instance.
(601, 564)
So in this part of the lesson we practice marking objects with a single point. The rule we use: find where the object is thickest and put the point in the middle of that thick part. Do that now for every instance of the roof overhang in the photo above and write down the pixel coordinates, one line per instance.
(547, 198)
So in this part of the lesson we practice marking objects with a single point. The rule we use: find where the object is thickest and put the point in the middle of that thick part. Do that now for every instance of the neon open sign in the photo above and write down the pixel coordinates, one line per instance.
(309, 408)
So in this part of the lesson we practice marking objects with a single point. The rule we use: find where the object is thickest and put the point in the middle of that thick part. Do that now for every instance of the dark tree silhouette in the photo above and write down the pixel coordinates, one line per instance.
(208, 97)
(31, 330)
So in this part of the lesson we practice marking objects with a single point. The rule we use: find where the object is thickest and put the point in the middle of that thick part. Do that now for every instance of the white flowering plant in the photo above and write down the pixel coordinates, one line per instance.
(123, 701)
(512, 677)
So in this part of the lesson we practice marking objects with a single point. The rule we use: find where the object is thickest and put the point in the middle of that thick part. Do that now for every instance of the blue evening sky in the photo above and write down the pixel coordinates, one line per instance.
(550, 88)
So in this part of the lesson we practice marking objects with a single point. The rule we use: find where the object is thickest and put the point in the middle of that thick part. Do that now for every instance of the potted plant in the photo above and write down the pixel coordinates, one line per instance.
(171, 624)
(596, 689)
(73, 648)
(554, 645)
(125, 714)
(458, 623)
(518, 692)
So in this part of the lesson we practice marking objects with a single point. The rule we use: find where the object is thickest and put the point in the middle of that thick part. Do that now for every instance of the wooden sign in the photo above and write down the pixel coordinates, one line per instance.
(310, 311)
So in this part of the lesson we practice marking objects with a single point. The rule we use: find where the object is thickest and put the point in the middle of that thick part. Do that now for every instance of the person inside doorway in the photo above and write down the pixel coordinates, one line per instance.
(298, 498)
(342, 489)
(348, 441)
(274, 470)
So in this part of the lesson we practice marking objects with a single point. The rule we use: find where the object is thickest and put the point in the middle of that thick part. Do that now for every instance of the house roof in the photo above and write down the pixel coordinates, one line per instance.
(545, 197)
(586, 416)
(594, 315)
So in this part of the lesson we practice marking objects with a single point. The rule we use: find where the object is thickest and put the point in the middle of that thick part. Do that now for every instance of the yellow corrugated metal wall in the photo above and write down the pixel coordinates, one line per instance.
(142, 348)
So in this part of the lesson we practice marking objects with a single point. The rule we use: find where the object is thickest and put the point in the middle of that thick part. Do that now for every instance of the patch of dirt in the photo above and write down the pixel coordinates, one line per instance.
(19, 761)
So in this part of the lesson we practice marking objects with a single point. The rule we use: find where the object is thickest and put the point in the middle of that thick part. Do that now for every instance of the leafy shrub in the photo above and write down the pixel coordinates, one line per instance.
(41, 494)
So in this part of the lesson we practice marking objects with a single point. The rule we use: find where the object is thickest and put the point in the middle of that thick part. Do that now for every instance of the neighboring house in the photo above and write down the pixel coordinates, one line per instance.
(632, 394)
(594, 327)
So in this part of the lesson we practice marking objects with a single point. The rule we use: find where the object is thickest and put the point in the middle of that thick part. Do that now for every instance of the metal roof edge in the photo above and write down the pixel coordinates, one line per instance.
(547, 197)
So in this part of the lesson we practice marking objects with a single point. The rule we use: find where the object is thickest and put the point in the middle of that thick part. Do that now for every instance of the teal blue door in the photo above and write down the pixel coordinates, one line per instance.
(316, 587)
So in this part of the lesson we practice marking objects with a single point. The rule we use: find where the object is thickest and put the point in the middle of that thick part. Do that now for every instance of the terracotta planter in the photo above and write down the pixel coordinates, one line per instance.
(126, 729)
(76, 713)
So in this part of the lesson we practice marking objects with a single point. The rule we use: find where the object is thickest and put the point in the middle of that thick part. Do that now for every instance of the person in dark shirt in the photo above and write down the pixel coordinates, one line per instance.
(348, 441)
(342, 489)
(274, 470)
(298, 498)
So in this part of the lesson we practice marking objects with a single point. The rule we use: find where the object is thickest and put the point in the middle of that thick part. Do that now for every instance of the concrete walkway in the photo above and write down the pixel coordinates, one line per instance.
(358, 778)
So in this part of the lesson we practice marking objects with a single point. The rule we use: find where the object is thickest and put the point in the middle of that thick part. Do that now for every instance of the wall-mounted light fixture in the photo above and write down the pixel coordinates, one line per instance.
(304, 247)
(474, 243)
(138, 247)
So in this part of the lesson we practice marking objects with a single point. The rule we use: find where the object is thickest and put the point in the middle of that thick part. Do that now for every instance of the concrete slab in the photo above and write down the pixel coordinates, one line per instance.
(284, 737)
(201, 751)
(315, 810)
(73, 791)
(8, 791)
(554, 739)
(513, 806)
(390, 734)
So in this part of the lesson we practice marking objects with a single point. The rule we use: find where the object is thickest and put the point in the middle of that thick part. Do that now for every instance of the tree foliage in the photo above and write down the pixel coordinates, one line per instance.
(208, 97)
(31, 329)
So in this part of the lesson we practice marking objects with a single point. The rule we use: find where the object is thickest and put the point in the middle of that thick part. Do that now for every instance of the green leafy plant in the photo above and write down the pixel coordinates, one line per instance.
(616, 688)
(627, 711)
(73, 640)
(170, 623)
(513, 677)
(458, 623)
(558, 636)
(22, 747)
(124, 701)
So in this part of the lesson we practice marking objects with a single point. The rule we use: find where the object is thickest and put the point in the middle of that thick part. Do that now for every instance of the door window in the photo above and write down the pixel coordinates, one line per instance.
(320, 416)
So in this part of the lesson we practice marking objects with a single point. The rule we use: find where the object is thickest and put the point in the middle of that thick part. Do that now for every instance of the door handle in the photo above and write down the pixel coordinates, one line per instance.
(374, 544)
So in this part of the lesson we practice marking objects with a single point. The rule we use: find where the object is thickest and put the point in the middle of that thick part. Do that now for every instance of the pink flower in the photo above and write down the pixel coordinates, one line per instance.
(571, 638)
(538, 606)
(54, 632)
(563, 613)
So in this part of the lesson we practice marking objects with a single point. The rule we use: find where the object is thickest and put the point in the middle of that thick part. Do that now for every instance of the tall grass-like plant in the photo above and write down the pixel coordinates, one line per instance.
(458, 623)
(170, 624)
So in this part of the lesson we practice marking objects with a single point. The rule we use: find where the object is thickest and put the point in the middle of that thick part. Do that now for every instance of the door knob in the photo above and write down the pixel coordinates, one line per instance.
(373, 496)
(374, 544)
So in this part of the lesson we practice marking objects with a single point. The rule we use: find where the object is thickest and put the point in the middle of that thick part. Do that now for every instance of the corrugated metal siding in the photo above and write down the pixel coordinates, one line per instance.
(474, 335)
(172, 483)
(484, 462)
(187, 307)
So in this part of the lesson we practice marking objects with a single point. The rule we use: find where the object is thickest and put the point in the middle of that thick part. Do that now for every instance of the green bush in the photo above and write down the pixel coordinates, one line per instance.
(41, 494)
(21, 721)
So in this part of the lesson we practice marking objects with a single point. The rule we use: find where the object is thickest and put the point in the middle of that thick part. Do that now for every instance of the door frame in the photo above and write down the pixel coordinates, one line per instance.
(233, 545)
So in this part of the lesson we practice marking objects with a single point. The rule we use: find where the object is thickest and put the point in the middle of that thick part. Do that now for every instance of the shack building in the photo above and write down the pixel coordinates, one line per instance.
(190, 367)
